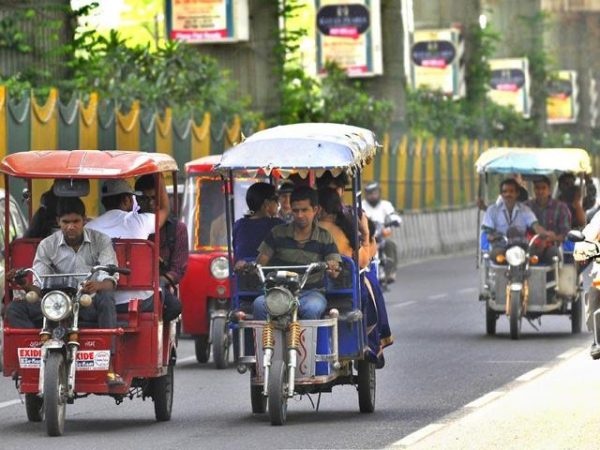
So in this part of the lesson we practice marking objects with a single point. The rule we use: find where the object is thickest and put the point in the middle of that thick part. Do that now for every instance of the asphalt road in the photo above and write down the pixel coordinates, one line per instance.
(441, 361)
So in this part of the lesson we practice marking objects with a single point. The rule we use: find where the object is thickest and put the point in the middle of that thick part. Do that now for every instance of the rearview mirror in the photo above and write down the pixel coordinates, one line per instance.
(71, 187)
(575, 236)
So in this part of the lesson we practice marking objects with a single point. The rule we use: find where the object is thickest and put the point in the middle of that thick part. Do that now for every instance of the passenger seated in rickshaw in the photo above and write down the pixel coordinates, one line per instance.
(285, 207)
(122, 220)
(508, 213)
(43, 222)
(551, 214)
(570, 193)
(300, 243)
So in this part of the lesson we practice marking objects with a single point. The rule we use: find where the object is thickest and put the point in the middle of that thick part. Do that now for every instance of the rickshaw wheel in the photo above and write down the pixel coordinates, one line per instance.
(366, 386)
(220, 342)
(55, 387)
(576, 314)
(278, 392)
(257, 399)
(34, 407)
(162, 395)
(490, 321)
(202, 348)
(515, 315)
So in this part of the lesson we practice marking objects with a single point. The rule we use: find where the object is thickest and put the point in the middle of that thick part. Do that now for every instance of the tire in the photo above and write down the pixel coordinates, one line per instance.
(34, 407)
(515, 315)
(220, 342)
(55, 389)
(162, 395)
(576, 314)
(366, 386)
(490, 321)
(202, 348)
(258, 400)
(277, 399)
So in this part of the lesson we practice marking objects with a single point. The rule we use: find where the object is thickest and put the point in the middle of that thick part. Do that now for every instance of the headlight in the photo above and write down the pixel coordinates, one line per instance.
(515, 256)
(278, 301)
(56, 305)
(219, 268)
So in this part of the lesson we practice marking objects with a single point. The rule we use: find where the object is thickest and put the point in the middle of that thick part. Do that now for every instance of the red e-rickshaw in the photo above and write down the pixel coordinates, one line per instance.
(66, 359)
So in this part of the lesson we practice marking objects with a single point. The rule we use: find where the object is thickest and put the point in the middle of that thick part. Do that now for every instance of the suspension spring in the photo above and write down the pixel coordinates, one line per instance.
(267, 337)
(294, 335)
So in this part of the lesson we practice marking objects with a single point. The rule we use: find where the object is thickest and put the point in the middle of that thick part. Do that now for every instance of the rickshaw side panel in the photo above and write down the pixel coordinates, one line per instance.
(196, 288)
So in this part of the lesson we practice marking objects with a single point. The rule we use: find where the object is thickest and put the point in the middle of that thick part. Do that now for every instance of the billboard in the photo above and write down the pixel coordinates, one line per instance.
(436, 61)
(561, 103)
(349, 33)
(207, 21)
(509, 84)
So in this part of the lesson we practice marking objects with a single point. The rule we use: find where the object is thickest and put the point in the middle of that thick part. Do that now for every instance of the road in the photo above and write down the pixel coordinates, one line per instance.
(441, 361)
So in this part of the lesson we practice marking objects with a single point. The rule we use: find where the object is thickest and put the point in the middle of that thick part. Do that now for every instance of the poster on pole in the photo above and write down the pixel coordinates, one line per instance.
(561, 103)
(436, 61)
(509, 84)
(207, 21)
(349, 33)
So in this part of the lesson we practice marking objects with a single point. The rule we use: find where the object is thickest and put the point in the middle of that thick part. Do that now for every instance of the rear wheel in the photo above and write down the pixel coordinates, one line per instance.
(278, 392)
(55, 392)
(366, 386)
(34, 406)
(576, 314)
(490, 321)
(162, 395)
(515, 314)
(202, 348)
(220, 342)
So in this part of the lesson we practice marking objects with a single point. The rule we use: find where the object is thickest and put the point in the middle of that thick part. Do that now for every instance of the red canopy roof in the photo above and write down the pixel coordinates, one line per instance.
(202, 165)
(85, 164)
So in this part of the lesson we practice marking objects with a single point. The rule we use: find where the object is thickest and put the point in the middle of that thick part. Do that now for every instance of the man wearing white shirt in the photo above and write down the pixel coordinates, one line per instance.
(122, 220)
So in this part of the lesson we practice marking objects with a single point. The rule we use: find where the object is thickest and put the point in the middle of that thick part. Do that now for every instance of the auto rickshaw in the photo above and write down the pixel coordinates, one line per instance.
(518, 284)
(67, 360)
(287, 357)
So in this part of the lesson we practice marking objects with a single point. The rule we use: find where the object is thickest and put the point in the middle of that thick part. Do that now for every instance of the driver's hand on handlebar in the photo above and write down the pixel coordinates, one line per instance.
(333, 268)
(11, 276)
(91, 287)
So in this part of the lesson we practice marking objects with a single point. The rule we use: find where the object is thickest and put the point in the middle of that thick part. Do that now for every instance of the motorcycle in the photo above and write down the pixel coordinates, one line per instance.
(58, 355)
(383, 262)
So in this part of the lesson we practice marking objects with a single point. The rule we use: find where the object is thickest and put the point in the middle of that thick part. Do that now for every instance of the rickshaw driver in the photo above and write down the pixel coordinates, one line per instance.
(299, 243)
(509, 214)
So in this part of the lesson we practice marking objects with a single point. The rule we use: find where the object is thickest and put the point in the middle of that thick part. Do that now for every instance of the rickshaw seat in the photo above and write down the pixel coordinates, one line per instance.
(137, 255)
(22, 252)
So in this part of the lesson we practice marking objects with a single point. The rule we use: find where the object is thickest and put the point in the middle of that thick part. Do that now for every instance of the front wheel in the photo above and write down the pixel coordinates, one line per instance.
(220, 342)
(162, 395)
(576, 314)
(278, 392)
(202, 348)
(490, 321)
(34, 406)
(55, 392)
(366, 386)
(515, 314)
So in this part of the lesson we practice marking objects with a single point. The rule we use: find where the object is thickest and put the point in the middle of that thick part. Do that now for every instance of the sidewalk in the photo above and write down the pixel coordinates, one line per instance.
(557, 409)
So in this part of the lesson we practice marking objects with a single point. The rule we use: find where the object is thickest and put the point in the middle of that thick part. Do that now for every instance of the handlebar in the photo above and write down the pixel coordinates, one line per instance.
(310, 268)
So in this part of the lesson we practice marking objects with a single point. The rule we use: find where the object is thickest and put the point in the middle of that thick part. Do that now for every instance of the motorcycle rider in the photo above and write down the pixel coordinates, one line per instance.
(384, 215)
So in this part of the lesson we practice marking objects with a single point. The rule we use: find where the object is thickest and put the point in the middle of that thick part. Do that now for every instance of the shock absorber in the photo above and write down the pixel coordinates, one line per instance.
(294, 335)
(268, 346)
(293, 345)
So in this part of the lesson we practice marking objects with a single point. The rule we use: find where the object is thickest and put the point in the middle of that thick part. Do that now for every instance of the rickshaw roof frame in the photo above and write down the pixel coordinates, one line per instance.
(533, 161)
(302, 147)
(91, 164)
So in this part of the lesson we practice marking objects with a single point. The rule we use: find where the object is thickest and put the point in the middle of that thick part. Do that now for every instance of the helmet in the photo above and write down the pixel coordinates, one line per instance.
(372, 187)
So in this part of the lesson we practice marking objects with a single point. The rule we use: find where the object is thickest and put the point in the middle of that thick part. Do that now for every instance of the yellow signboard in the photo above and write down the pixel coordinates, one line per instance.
(561, 102)
(509, 84)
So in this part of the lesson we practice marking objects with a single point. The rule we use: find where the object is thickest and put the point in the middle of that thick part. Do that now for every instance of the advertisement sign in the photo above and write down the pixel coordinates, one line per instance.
(207, 21)
(561, 102)
(436, 61)
(509, 84)
(349, 33)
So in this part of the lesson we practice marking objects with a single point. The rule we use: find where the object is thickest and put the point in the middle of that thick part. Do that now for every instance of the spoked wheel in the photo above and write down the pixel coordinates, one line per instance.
(576, 314)
(490, 321)
(220, 342)
(515, 314)
(55, 392)
(278, 392)
(162, 395)
(34, 406)
(366, 386)
(202, 348)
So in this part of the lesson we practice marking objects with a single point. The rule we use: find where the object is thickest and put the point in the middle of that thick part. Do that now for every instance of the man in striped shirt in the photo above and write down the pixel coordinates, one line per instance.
(300, 243)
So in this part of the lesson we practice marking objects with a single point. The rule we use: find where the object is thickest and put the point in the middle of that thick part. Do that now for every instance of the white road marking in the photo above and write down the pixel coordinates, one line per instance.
(10, 403)
(415, 437)
(469, 290)
(569, 353)
(532, 374)
(186, 359)
(437, 296)
(485, 399)
(400, 305)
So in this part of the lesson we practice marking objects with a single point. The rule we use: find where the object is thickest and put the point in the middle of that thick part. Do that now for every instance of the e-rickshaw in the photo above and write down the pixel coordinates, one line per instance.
(517, 283)
(287, 357)
(65, 359)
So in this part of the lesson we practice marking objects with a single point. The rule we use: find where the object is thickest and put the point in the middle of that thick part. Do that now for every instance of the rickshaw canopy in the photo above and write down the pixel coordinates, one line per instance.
(85, 164)
(307, 146)
(204, 164)
(534, 161)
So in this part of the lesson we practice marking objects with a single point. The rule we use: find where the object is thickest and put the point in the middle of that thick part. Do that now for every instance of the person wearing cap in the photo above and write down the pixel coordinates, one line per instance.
(285, 193)
(124, 220)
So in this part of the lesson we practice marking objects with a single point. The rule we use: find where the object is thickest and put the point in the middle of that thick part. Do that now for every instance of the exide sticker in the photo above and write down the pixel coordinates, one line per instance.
(29, 358)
